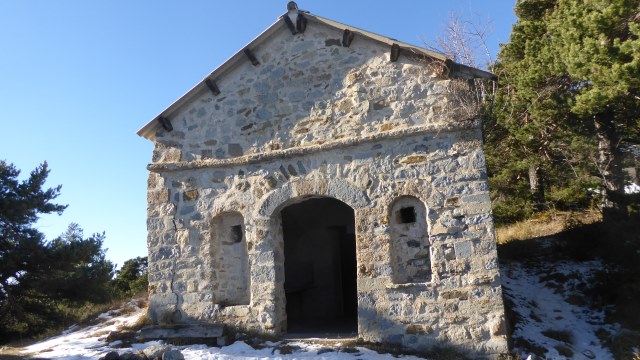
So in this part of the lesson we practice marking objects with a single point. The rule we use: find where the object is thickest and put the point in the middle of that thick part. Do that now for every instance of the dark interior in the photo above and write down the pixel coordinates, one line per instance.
(320, 267)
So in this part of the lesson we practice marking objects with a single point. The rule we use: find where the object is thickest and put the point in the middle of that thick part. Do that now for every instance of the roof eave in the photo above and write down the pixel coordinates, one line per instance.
(148, 130)
(470, 72)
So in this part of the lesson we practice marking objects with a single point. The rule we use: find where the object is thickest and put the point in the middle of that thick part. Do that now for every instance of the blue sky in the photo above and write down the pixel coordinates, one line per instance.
(78, 78)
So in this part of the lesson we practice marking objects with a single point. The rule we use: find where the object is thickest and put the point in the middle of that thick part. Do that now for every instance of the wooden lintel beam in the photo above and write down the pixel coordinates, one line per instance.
(395, 52)
(251, 57)
(301, 23)
(166, 124)
(290, 25)
(347, 37)
(213, 87)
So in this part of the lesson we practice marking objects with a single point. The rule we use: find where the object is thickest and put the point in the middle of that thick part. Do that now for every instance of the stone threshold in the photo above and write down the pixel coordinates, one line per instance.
(321, 337)
(186, 333)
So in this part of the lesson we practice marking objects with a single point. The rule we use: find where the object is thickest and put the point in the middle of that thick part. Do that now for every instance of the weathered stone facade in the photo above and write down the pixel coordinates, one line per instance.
(315, 119)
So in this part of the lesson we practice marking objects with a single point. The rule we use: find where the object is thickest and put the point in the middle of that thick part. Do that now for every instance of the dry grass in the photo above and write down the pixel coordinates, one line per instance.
(544, 224)
(565, 336)
(143, 321)
(345, 342)
(15, 353)
(625, 345)
(10, 350)
(89, 314)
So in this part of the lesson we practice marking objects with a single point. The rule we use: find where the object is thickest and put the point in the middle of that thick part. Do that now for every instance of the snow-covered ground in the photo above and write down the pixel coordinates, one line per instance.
(545, 297)
(90, 342)
(304, 350)
(551, 310)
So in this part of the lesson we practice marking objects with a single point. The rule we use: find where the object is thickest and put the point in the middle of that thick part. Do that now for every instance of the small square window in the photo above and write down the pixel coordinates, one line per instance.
(236, 233)
(406, 215)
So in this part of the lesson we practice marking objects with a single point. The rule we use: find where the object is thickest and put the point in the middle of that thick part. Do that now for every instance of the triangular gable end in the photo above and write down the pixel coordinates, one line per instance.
(349, 34)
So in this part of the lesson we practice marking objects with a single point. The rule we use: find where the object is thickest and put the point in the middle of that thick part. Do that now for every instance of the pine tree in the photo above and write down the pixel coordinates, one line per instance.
(20, 203)
(75, 268)
(596, 44)
(567, 104)
(537, 155)
(39, 279)
(21, 246)
(132, 277)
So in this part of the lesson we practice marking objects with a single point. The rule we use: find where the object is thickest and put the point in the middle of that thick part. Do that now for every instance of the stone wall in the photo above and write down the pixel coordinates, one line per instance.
(318, 119)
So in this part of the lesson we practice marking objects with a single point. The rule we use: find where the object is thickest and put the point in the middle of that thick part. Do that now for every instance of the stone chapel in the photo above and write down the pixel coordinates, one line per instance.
(326, 179)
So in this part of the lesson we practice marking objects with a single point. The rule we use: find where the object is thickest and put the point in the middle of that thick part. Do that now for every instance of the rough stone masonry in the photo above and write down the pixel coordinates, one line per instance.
(326, 179)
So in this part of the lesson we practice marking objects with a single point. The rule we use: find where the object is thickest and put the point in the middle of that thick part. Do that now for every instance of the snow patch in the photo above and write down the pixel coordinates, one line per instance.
(632, 188)
(88, 342)
(553, 315)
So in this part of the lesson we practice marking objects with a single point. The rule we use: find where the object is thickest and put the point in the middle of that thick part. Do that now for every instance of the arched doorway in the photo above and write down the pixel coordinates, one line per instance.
(320, 267)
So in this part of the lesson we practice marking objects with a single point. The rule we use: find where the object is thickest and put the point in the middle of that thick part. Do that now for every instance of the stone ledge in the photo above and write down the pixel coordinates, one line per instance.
(412, 286)
(304, 150)
(182, 331)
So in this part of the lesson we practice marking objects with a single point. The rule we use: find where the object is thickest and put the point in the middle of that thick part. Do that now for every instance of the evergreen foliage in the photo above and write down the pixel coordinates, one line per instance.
(39, 280)
(131, 279)
(75, 268)
(566, 105)
(597, 47)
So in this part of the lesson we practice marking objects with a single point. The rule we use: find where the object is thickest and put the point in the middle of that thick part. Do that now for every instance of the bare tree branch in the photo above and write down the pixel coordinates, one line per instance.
(465, 41)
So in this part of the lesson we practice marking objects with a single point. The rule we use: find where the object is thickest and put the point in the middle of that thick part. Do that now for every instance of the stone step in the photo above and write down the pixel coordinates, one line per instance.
(183, 331)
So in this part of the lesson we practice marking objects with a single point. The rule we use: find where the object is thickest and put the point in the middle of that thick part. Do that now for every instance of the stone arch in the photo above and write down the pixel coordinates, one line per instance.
(300, 189)
(268, 291)
(410, 248)
(230, 201)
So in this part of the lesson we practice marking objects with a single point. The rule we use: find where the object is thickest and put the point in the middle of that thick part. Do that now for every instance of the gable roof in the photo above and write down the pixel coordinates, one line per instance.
(454, 69)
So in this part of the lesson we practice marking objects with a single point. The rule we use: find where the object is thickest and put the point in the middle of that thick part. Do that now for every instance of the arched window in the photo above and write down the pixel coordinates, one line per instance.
(410, 248)
(231, 259)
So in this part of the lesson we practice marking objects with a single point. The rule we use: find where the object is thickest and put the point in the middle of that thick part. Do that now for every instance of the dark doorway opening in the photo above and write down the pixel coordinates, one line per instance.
(320, 267)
